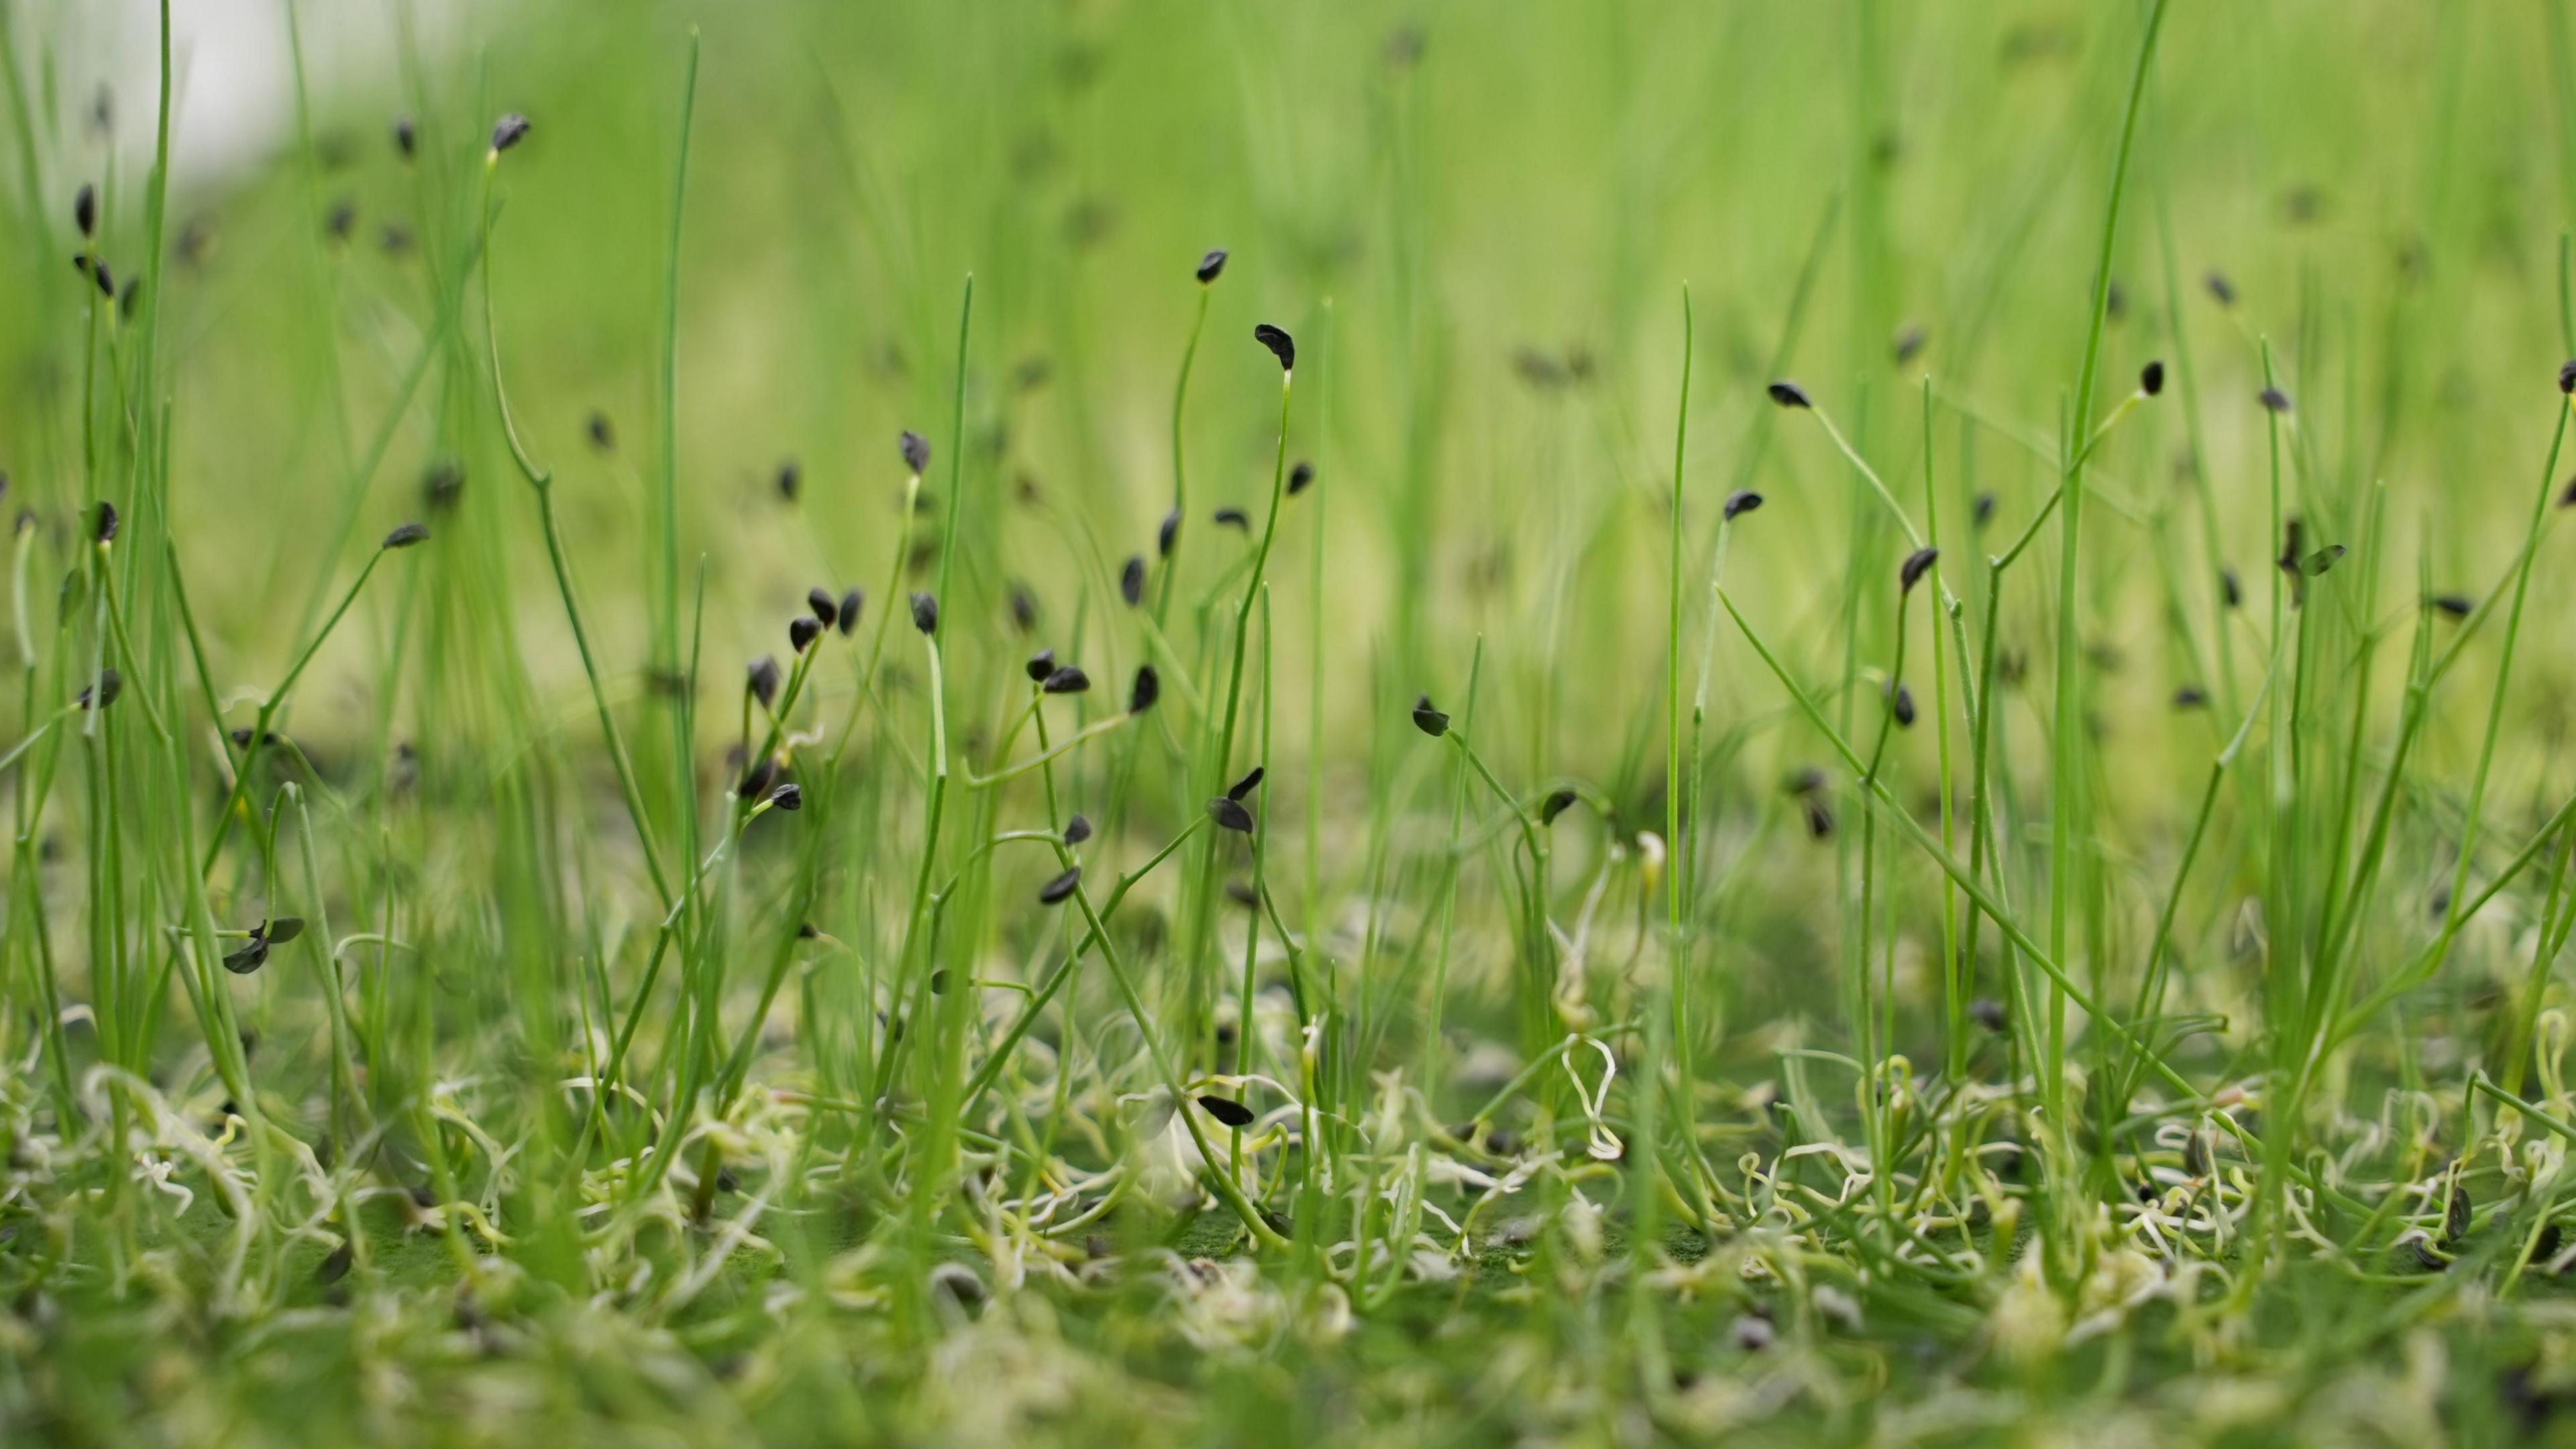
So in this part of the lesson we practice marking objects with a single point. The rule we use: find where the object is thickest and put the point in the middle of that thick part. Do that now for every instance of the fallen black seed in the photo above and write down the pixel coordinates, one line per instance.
(336, 1266)
(1281, 345)
(1916, 565)
(2455, 1215)
(762, 680)
(1131, 581)
(916, 451)
(1077, 829)
(2151, 379)
(1040, 665)
(1055, 891)
(925, 613)
(509, 131)
(1227, 1110)
(1230, 815)
(2546, 1247)
(802, 631)
(1147, 689)
(1557, 803)
(407, 535)
(848, 610)
(826, 609)
(790, 796)
(1234, 518)
(1741, 502)
(1246, 785)
(1301, 477)
(1788, 395)
(1211, 266)
(1428, 720)
(1068, 679)
(103, 523)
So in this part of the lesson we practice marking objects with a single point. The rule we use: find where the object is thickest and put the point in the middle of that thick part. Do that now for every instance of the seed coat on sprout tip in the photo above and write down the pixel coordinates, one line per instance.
(1916, 565)
(1429, 720)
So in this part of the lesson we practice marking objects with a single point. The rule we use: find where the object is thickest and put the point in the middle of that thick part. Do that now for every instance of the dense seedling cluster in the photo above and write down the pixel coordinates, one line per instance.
(1985, 946)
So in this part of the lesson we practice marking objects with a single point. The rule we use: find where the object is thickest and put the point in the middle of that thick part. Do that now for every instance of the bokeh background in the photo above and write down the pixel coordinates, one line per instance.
(1480, 220)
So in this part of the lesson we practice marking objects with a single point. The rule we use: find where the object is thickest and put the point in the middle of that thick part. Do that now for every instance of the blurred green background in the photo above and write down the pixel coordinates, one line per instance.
(1500, 205)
